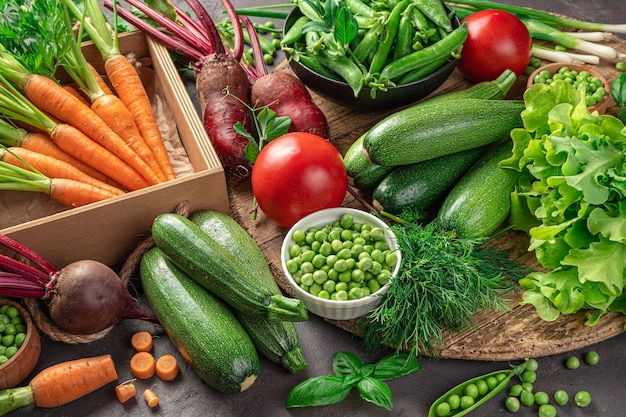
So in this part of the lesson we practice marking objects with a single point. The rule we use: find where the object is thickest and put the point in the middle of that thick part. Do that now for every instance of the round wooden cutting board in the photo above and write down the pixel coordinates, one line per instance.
(515, 334)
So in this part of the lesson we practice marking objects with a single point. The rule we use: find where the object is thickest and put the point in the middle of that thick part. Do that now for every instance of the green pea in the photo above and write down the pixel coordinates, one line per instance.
(528, 376)
(3, 359)
(532, 365)
(560, 397)
(527, 386)
(11, 351)
(342, 295)
(466, 402)
(541, 398)
(455, 401)
(19, 339)
(582, 398)
(8, 340)
(12, 312)
(347, 220)
(482, 386)
(471, 390)
(492, 381)
(572, 362)
(620, 66)
(355, 293)
(298, 236)
(320, 276)
(443, 409)
(512, 404)
(516, 390)
(592, 357)
(527, 398)
(547, 410)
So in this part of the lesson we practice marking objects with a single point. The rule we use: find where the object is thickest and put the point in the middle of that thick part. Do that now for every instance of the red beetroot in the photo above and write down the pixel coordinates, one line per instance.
(85, 297)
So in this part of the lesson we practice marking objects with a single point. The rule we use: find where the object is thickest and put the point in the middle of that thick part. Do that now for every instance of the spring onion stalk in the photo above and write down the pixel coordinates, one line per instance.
(591, 36)
(563, 56)
(539, 30)
(545, 17)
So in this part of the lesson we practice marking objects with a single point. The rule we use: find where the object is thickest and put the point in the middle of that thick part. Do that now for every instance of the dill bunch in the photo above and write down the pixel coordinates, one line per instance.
(443, 281)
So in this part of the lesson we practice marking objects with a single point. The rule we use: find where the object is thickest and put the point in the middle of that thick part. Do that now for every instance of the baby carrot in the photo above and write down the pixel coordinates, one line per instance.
(68, 381)
(151, 399)
(125, 391)
(143, 365)
(48, 96)
(167, 367)
(51, 167)
(141, 341)
(131, 91)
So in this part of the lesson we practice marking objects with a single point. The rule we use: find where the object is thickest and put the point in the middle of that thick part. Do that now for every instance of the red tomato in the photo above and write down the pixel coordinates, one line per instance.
(496, 40)
(297, 174)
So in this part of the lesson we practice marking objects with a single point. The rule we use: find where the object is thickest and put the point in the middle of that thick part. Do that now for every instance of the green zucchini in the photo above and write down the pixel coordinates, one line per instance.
(366, 175)
(213, 267)
(202, 327)
(431, 129)
(479, 203)
(417, 187)
(277, 340)
(362, 173)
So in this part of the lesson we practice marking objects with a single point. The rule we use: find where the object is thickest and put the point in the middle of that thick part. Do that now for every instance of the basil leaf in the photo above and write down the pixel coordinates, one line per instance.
(375, 391)
(346, 363)
(318, 391)
(394, 366)
(366, 370)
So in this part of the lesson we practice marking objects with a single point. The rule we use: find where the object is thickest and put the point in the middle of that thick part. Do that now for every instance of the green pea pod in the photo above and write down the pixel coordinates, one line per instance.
(389, 35)
(435, 11)
(404, 37)
(422, 71)
(460, 389)
(346, 68)
(434, 52)
(314, 65)
(360, 8)
(367, 46)
(295, 31)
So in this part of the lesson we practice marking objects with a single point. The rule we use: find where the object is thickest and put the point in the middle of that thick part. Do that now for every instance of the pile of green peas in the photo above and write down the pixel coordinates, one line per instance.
(345, 260)
(12, 332)
(595, 90)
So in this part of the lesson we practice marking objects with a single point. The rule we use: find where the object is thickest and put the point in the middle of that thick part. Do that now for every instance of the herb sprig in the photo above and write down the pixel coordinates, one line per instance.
(442, 283)
(351, 372)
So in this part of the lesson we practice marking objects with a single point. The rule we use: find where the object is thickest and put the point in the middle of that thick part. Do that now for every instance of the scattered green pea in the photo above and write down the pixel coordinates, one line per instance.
(541, 398)
(561, 397)
(582, 398)
(620, 66)
(592, 357)
(528, 376)
(344, 251)
(516, 390)
(547, 410)
(532, 365)
(572, 362)
(527, 398)
(512, 404)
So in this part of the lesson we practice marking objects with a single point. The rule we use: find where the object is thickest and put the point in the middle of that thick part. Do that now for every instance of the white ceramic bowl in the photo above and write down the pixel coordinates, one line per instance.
(336, 309)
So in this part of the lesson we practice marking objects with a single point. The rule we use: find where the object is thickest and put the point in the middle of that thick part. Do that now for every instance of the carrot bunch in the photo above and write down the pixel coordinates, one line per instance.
(105, 137)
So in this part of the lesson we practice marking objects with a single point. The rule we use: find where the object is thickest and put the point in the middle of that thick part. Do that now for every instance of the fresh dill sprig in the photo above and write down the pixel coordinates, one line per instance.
(442, 283)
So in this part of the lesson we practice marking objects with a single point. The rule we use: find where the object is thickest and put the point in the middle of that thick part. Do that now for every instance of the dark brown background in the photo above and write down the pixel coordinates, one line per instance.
(187, 396)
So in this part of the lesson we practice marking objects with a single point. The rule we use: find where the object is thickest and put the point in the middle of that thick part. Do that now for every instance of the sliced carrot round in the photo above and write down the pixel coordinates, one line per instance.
(141, 341)
(143, 365)
(167, 367)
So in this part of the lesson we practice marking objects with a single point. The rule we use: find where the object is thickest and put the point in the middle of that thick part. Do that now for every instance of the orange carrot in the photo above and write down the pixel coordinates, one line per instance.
(125, 391)
(143, 365)
(50, 97)
(74, 142)
(131, 91)
(68, 381)
(151, 399)
(141, 341)
(115, 114)
(74, 193)
(51, 167)
(167, 367)
(75, 93)
(101, 82)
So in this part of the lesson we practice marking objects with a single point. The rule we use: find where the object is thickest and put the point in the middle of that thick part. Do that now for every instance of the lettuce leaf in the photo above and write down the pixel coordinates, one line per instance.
(571, 200)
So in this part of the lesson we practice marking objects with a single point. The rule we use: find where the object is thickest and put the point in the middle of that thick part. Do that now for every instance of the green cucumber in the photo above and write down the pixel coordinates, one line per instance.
(417, 187)
(277, 340)
(202, 327)
(216, 269)
(362, 173)
(431, 129)
(479, 203)
(366, 175)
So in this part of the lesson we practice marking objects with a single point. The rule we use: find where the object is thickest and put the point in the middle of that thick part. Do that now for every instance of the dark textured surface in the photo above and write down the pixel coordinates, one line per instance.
(187, 396)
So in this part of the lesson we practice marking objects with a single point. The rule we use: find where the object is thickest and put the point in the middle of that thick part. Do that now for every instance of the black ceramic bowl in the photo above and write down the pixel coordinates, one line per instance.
(341, 93)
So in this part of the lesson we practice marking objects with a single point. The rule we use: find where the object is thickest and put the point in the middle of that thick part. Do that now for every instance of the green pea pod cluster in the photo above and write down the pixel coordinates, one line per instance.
(372, 43)
(469, 395)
